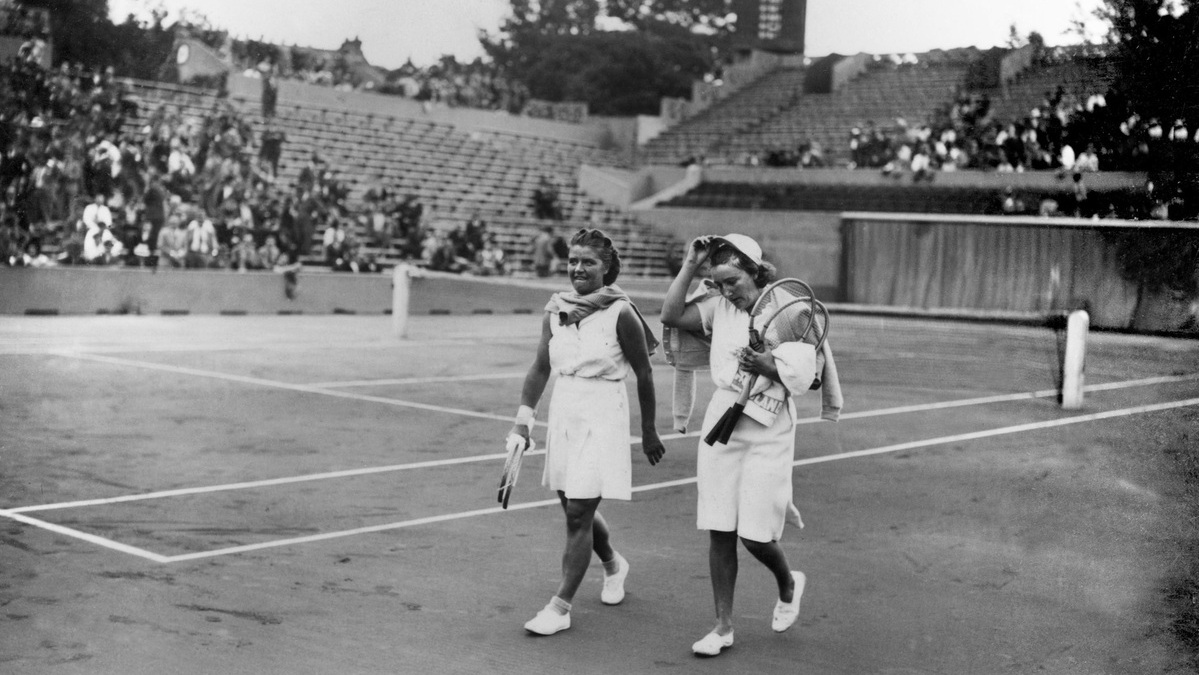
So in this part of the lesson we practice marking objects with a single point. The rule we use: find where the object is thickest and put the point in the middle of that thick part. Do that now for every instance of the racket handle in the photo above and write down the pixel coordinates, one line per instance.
(749, 386)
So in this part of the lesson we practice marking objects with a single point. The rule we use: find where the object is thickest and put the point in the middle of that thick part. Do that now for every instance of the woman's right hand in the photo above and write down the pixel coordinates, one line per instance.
(520, 430)
(697, 251)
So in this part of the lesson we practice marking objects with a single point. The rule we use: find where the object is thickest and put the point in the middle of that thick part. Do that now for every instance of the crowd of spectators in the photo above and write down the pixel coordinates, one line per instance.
(81, 186)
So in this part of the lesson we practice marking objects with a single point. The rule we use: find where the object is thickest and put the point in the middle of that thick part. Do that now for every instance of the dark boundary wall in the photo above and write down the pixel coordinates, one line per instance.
(804, 244)
(1008, 264)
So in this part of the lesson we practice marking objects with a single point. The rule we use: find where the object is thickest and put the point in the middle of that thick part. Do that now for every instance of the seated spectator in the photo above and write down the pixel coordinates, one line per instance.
(202, 248)
(172, 243)
(491, 260)
(97, 213)
(100, 247)
(242, 254)
(334, 243)
(1088, 160)
(270, 256)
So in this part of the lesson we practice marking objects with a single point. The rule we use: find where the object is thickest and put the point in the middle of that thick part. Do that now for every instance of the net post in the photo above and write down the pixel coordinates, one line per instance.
(1077, 324)
(401, 289)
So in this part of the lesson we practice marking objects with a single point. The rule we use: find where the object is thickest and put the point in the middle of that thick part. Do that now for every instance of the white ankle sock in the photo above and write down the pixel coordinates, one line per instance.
(560, 606)
(611, 566)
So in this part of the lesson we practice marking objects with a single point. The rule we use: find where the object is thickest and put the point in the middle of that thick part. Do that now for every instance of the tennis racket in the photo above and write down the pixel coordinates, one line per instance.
(516, 447)
(786, 311)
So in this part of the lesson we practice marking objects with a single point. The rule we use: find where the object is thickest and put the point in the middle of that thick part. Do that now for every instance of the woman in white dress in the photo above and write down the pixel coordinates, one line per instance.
(744, 487)
(591, 338)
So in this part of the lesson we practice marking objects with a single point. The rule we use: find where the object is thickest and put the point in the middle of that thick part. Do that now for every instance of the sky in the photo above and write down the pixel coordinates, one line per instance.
(392, 31)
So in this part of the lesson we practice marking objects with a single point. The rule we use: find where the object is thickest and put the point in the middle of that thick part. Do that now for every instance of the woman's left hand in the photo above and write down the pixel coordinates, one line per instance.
(652, 446)
(758, 363)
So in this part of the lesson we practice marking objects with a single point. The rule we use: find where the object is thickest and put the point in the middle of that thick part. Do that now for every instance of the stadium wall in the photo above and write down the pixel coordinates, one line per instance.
(802, 244)
(92, 290)
(1006, 263)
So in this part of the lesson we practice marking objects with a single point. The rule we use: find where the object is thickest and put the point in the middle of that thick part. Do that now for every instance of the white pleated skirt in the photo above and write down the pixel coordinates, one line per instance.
(745, 486)
(587, 446)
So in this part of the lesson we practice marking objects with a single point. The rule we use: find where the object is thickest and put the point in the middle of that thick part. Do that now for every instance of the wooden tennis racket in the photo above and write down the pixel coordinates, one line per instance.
(786, 311)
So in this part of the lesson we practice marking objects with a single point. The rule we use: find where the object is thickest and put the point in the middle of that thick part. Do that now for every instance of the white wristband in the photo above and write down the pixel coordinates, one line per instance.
(525, 416)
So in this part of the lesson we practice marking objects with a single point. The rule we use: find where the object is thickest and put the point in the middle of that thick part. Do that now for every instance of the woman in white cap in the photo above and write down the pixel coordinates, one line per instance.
(591, 337)
(744, 486)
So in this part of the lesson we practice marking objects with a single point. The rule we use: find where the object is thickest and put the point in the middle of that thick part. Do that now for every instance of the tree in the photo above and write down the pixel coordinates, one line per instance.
(702, 16)
(1155, 45)
(554, 50)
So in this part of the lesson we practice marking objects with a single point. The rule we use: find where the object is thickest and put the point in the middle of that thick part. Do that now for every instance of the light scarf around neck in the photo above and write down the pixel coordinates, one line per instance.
(571, 308)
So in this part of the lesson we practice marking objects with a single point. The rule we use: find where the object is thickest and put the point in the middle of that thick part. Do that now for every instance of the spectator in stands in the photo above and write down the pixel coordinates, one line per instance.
(172, 243)
(156, 203)
(97, 212)
(270, 90)
(202, 248)
(1082, 204)
(271, 149)
(270, 256)
(545, 200)
(100, 246)
(542, 250)
(1011, 204)
(491, 258)
(334, 242)
(1088, 160)
(242, 254)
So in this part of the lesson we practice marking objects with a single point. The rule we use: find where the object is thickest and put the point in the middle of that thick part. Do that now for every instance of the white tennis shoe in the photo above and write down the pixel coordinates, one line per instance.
(613, 592)
(712, 644)
(785, 613)
(548, 621)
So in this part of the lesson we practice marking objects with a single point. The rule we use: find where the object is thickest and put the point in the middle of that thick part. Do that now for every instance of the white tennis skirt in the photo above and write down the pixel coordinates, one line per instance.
(744, 486)
(587, 447)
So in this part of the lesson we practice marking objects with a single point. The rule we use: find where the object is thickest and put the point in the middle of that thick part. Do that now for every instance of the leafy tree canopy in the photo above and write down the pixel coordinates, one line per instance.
(555, 49)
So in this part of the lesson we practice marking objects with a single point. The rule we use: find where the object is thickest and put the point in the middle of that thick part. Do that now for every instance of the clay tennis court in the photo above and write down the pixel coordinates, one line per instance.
(311, 495)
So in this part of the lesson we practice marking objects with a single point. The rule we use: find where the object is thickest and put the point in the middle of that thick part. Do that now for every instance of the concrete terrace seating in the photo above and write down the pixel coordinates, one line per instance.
(744, 109)
(880, 95)
(454, 174)
(1080, 77)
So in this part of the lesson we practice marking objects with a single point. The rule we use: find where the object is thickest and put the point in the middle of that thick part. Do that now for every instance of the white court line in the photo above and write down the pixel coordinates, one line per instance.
(90, 538)
(431, 379)
(1020, 428)
(269, 482)
(416, 380)
(258, 381)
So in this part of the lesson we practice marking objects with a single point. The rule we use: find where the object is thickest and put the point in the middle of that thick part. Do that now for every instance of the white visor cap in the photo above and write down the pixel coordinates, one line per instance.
(746, 246)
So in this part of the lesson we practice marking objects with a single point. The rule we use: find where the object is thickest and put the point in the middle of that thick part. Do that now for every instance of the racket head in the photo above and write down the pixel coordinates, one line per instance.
(793, 314)
(777, 294)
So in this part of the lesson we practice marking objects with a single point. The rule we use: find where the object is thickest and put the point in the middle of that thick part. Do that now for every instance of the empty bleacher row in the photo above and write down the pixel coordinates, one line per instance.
(455, 175)
(745, 109)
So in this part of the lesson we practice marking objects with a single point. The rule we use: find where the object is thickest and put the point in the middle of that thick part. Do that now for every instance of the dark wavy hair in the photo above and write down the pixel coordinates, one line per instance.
(727, 254)
(598, 241)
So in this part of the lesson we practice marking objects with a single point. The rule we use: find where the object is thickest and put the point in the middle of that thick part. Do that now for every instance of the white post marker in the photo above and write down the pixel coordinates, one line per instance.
(1077, 325)
(401, 289)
